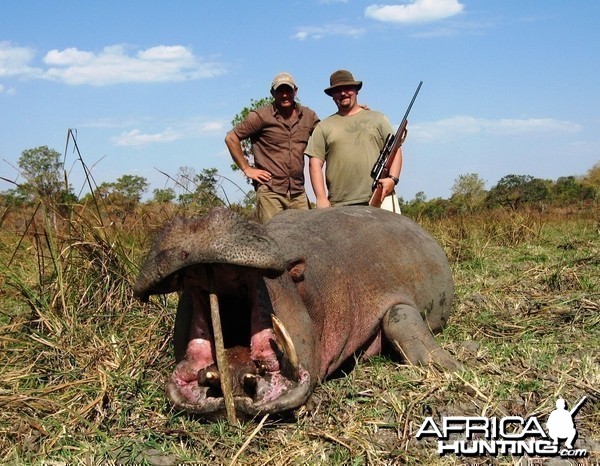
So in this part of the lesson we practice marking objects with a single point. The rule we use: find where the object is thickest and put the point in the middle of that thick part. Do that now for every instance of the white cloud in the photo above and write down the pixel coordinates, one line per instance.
(137, 138)
(212, 127)
(418, 11)
(15, 61)
(177, 130)
(200, 127)
(319, 32)
(460, 125)
(113, 65)
(68, 57)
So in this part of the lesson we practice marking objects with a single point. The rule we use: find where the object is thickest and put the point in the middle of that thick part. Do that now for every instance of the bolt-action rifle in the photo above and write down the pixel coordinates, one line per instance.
(393, 142)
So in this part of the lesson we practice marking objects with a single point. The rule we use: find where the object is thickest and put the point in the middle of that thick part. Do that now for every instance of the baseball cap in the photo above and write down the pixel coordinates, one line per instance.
(283, 78)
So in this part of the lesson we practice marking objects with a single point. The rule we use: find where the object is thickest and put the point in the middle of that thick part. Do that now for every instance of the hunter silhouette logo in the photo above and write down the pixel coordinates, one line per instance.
(561, 425)
(509, 435)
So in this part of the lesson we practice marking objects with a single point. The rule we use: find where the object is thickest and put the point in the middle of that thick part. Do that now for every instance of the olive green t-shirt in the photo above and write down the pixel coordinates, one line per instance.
(349, 146)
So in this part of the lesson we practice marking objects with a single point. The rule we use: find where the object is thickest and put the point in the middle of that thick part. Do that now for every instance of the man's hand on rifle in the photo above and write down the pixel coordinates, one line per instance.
(388, 185)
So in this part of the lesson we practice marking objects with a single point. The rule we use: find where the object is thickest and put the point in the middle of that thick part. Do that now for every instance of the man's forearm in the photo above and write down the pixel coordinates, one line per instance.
(317, 180)
(234, 145)
(396, 167)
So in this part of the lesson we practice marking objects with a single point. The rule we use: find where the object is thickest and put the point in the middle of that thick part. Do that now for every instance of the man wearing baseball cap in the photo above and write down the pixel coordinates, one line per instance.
(279, 133)
(348, 143)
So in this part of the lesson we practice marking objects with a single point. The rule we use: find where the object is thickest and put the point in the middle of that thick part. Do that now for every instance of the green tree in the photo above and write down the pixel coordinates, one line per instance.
(200, 189)
(420, 198)
(43, 171)
(207, 184)
(246, 143)
(568, 189)
(514, 190)
(414, 207)
(163, 196)
(436, 208)
(16, 197)
(126, 192)
(468, 191)
(131, 187)
(592, 178)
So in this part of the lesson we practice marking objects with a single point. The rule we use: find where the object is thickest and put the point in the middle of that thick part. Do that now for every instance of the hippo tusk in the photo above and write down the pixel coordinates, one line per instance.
(284, 341)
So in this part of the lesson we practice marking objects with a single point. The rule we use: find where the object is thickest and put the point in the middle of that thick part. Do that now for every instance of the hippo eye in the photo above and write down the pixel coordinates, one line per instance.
(260, 239)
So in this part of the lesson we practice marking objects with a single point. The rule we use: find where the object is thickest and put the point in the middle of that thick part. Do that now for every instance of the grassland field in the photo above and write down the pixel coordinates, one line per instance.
(83, 365)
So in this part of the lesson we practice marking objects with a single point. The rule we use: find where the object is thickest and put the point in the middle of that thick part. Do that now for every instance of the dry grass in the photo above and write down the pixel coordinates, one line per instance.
(83, 365)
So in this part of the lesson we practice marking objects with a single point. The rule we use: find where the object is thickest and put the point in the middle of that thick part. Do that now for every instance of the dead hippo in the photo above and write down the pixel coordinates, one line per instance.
(340, 281)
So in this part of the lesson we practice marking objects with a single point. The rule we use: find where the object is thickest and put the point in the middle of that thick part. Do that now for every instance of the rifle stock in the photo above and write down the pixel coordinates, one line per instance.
(393, 142)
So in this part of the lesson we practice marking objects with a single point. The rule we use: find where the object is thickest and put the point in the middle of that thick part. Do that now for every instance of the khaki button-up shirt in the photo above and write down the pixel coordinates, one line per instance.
(279, 144)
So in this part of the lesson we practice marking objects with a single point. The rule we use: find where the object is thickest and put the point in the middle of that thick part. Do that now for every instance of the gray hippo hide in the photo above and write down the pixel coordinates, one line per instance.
(340, 281)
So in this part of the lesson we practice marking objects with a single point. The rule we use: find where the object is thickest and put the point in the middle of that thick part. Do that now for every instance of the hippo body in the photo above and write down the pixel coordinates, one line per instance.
(340, 281)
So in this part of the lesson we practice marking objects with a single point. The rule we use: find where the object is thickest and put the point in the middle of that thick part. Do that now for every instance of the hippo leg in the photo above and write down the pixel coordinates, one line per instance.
(404, 327)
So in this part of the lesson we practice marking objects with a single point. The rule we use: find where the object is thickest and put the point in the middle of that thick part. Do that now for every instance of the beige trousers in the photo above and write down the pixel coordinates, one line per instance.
(269, 203)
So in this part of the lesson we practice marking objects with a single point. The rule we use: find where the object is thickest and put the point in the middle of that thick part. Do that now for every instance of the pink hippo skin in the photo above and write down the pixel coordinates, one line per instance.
(341, 281)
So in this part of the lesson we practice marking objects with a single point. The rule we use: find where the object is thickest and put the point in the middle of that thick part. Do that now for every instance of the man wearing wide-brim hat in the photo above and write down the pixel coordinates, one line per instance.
(342, 78)
(348, 144)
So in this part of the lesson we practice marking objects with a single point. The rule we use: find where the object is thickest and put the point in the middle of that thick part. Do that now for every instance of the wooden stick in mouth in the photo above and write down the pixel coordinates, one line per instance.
(222, 362)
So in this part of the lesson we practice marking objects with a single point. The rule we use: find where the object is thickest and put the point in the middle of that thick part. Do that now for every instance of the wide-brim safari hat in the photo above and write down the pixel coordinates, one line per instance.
(342, 78)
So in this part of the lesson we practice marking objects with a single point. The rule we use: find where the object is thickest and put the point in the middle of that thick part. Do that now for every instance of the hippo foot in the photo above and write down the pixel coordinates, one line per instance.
(404, 327)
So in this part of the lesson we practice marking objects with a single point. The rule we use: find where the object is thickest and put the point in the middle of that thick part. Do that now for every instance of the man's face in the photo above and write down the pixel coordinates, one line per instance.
(284, 96)
(345, 96)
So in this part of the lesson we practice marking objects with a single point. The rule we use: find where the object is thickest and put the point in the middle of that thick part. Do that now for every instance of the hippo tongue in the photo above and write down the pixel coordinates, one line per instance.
(290, 367)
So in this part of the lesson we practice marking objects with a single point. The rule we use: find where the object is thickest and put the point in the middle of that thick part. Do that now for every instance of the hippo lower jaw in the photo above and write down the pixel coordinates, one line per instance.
(279, 395)
(263, 365)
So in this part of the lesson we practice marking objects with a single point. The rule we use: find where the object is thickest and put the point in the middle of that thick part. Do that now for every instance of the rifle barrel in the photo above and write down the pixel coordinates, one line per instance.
(412, 101)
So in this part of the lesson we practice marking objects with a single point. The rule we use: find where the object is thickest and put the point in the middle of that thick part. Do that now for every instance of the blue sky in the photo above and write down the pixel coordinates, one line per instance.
(510, 87)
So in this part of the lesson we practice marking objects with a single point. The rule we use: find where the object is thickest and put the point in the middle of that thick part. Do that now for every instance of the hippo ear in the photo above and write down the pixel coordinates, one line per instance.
(296, 269)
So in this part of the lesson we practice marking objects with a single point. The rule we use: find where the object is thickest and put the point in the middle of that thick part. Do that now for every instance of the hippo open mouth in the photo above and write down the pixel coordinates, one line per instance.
(263, 365)
(262, 370)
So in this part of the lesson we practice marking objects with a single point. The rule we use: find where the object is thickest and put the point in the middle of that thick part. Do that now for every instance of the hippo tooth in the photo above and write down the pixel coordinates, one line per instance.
(287, 346)
(212, 375)
(209, 378)
(249, 382)
(249, 379)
